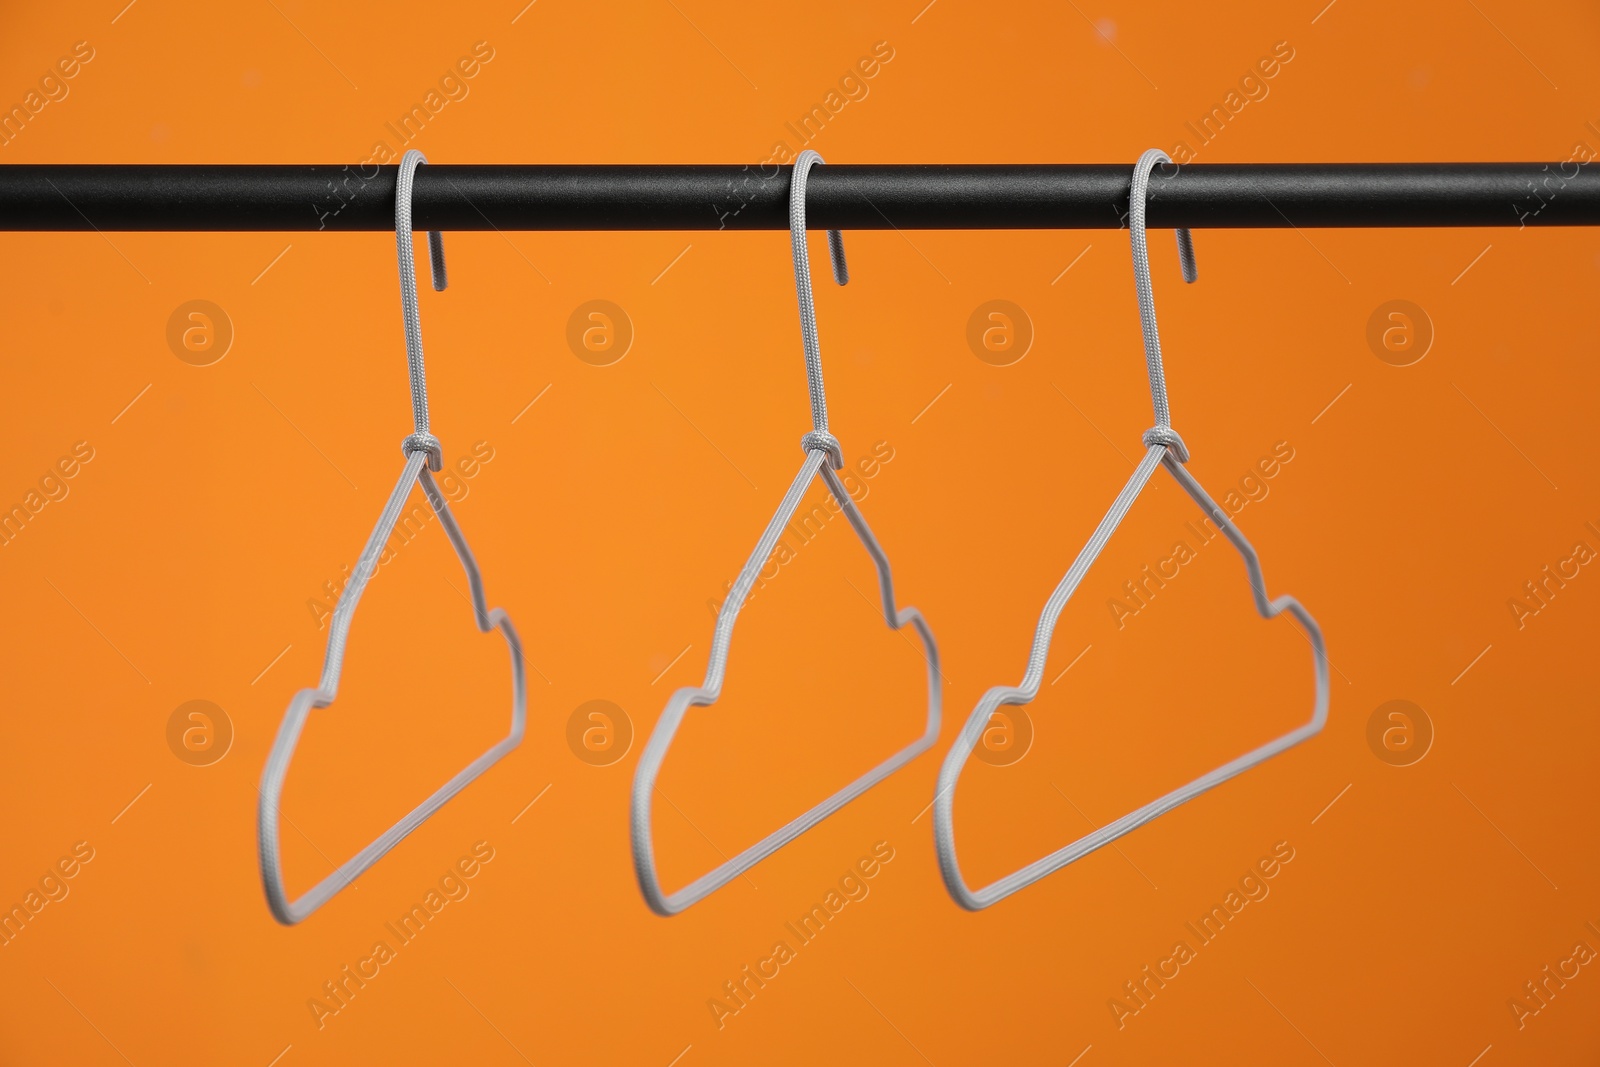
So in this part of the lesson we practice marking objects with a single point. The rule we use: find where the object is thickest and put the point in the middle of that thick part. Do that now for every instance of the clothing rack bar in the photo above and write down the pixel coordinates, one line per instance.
(164, 197)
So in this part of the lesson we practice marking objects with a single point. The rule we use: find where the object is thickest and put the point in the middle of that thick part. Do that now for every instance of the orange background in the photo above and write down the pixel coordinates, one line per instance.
(179, 566)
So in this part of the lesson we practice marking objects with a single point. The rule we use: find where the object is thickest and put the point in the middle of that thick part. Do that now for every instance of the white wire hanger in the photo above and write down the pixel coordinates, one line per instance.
(823, 456)
(423, 455)
(1165, 448)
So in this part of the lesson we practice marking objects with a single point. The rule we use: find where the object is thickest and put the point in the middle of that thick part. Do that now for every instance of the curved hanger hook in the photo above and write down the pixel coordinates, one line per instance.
(421, 440)
(819, 437)
(1162, 432)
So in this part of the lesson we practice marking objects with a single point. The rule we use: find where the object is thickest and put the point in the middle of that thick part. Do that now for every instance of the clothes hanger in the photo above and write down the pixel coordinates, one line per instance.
(423, 455)
(823, 456)
(1164, 448)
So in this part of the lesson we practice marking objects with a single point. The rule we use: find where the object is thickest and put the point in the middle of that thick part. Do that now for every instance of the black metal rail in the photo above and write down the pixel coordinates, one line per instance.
(908, 197)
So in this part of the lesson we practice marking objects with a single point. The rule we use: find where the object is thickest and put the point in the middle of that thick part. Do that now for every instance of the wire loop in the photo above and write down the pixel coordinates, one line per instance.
(1166, 435)
(427, 443)
(823, 441)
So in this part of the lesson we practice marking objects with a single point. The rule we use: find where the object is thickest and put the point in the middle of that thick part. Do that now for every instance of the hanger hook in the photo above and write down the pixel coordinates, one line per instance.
(421, 440)
(1162, 432)
(819, 437)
